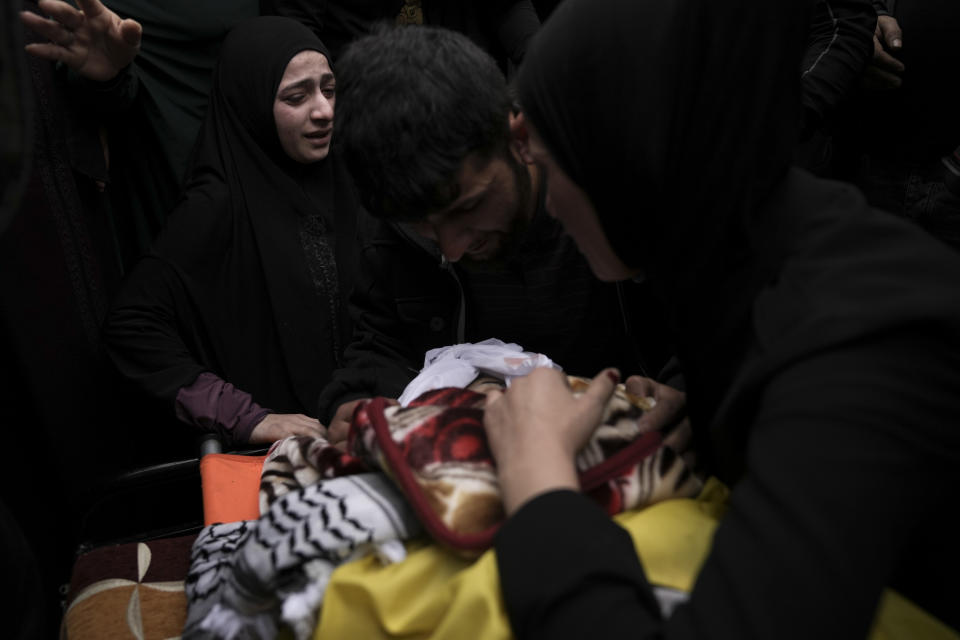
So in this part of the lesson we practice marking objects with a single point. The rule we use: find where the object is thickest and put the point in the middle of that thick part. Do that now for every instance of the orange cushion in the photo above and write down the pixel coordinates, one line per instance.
(231, 485)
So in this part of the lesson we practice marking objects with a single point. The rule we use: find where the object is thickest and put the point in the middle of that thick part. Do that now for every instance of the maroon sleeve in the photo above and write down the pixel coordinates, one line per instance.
(215, 405)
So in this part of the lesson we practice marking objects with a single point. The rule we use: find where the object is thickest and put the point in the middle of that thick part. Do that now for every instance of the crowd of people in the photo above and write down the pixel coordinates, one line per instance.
(281, 208)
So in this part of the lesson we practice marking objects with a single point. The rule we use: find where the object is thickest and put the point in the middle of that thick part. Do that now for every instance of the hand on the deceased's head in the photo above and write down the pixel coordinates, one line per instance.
(277, 426)
(535, 428)
(93, 41)
(885, 71)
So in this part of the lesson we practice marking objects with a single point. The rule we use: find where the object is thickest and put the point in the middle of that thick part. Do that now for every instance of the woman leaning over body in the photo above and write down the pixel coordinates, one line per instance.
(820, 339)
(237, 316)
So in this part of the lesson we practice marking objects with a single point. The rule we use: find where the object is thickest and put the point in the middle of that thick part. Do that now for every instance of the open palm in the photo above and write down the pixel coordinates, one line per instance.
(92, 40)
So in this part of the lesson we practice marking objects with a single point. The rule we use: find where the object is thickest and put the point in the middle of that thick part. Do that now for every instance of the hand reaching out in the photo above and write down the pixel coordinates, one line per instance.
(93, 41)
(277, 426)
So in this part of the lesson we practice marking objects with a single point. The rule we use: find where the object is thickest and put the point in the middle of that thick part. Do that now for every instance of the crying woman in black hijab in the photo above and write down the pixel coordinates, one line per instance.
(819, 338)
(236, 318)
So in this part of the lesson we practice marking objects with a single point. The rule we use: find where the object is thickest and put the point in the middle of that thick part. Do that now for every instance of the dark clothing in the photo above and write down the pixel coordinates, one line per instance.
(15, 130)
(61, 399)
(923, 112)
(336, 23)
(247, 277)
(820, 338)
(919, 118)
(839, 46)
(503, 28)
(153, 110)
(890, 143)
(24, 604)
(407, 300)
(915, 189)
(839, 456)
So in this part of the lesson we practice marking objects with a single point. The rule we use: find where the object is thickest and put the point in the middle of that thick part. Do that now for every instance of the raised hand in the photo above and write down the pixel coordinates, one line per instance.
(93, 41)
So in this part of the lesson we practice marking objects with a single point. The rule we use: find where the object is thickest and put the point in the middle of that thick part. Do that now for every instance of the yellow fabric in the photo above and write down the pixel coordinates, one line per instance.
(438, 595)
(900, 619)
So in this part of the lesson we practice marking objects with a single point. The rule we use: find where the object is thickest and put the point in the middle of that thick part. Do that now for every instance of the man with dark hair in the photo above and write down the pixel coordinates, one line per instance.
(459, 247)
(420, 123)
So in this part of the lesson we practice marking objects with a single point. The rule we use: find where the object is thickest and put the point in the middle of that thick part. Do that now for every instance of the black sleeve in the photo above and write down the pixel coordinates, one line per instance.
(311, 13)
(400, 307)
(883, 7)
(839, 46)
(851, 453)
(568, 571)
(109, 97)
(143, 332)
(378, 362)
(519, 23)
(335, 22)
(672, 375)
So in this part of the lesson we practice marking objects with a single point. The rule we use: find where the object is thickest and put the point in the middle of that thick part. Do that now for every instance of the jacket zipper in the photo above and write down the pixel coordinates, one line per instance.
(462, 312)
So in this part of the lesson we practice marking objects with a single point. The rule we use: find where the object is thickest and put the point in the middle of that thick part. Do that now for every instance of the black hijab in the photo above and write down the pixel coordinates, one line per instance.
(253, 305)
(677, 122)
(678, 119)
(707, 116)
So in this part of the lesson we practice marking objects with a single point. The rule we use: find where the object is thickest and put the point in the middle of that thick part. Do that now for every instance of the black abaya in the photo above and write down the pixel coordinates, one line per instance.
(820, 338)
(235, 284)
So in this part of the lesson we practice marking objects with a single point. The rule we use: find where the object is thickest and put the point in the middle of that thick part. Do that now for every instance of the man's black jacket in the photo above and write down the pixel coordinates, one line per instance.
(408, 300)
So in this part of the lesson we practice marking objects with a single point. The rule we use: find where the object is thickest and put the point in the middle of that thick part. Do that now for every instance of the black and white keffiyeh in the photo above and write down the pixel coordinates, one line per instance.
(247, 577)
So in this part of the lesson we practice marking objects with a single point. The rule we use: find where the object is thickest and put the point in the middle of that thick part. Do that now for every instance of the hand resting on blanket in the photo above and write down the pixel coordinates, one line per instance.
(277, 426)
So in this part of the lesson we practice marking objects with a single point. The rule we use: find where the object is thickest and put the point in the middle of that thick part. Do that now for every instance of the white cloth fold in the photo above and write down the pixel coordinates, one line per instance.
(460, 364)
